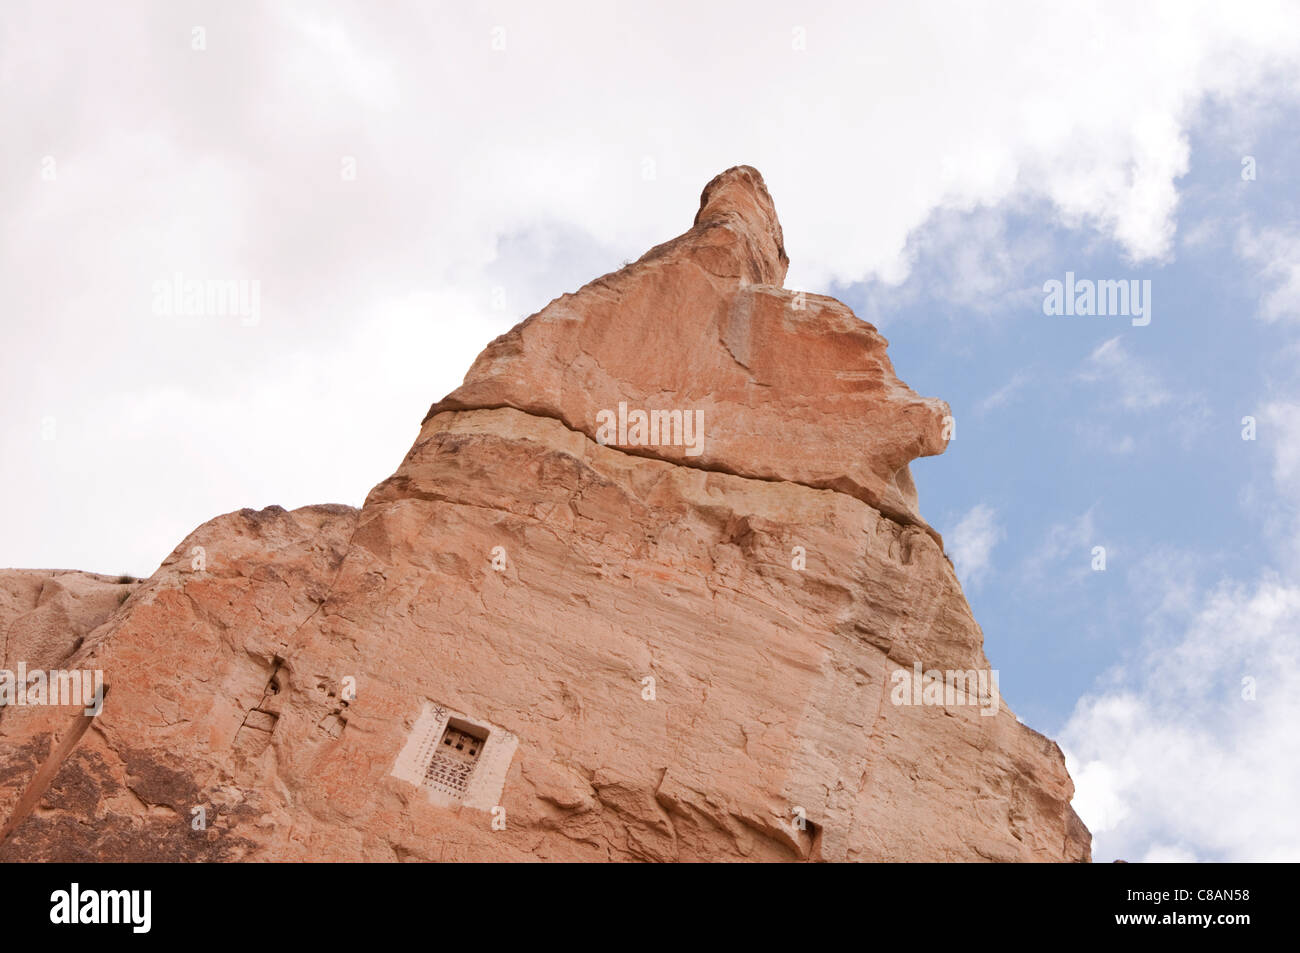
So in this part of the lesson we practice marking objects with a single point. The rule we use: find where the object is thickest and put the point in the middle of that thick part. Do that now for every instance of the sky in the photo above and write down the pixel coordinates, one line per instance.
(403, 182)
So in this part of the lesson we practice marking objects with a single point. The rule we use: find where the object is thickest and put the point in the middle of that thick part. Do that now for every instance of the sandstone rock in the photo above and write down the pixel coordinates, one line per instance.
(46, 614)
(529, 645)
(791, 386)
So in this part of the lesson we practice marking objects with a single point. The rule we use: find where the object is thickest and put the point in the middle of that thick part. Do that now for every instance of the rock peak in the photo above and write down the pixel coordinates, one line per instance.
(738, 199)
(790, 386)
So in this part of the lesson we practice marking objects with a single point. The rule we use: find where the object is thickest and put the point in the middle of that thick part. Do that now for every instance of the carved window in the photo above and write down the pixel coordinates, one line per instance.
(454, 757)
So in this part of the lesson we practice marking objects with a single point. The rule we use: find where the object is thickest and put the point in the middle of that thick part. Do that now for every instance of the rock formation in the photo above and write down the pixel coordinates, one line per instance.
(647, 586)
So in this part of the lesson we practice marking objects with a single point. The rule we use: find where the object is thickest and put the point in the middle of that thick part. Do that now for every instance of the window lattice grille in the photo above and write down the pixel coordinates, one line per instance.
(452, 762)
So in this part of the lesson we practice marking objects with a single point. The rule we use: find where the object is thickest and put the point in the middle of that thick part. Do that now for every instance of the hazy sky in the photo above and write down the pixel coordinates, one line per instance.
(405, 181)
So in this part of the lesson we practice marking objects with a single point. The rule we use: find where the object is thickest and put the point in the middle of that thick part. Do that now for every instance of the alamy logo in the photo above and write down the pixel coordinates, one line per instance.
(652, 428)
(133, 907)
(946, 688)
(55, 687)
(1085, 297)
(212, 297)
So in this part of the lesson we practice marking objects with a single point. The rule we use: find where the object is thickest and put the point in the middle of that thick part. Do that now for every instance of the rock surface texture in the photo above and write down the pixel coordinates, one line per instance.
(544, 638)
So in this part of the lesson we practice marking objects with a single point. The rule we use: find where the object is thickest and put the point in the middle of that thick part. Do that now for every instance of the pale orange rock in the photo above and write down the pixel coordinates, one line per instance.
(46, 614)
(791, 386)
(527, 645)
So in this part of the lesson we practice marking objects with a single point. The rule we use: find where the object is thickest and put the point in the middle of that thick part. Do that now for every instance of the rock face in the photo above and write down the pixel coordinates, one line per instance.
(45, 615)
(549, 636)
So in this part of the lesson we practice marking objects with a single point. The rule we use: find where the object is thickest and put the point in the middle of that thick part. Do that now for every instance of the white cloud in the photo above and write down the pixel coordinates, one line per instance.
(1278, 433)
(1103, 438)
(1281, 422)
(1065, 557)
(1004, 394)
(1136, 386)
(334, 419)
(1275, 253)
(1170, 761)
(971, 542)
(1071, 540)
(1169, 854)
